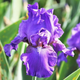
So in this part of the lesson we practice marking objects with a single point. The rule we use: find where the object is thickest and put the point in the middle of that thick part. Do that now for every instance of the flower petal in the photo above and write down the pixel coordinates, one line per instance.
(30, 27)
(33, 9)
(58, 30)
(42, 37)
(39, 61)
(40, 18)
(7, 49)
(78, 60)
(74, 41)
(58, 45)
(76, 29)
(13, 45)
(61, 57)
(69, 51)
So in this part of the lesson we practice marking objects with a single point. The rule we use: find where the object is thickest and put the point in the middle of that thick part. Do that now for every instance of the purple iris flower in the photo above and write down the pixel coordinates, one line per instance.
(40, 31)
(74, 41)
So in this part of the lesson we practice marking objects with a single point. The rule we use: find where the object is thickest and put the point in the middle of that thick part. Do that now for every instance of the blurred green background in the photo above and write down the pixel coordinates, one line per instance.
(12, 12)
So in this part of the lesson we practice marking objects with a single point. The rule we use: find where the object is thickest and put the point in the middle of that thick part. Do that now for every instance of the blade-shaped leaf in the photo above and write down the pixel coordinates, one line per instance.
(74, 75)
(3, 7)
(4, 66)
(72, 24)
(68, 68)
(16, 10)
(7, 34)
(18, 70)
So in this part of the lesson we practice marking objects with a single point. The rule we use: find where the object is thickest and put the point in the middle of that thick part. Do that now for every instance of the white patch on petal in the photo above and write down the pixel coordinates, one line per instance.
(39, 49)
(24, 58)
(27, 69)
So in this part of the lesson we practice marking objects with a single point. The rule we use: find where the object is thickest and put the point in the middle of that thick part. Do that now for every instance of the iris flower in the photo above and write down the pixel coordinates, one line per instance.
(40, 31)
(74, 41)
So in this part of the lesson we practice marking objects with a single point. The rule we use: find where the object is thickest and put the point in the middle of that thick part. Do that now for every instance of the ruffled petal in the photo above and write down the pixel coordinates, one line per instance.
(78, 60)
(33, 9)
(40, 18)
(30, 27)
(39, 61)
(58, 32)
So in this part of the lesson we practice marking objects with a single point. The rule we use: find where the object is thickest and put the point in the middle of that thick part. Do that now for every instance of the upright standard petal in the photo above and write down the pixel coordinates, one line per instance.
(40, 18)
(39, 61)
(32, 9)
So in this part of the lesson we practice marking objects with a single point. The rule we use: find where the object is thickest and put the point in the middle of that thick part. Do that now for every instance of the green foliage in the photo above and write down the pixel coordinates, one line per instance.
(4, 66)
(12, 68)
(67, 68)
(74, 75)
(3, 8)
(8, 34)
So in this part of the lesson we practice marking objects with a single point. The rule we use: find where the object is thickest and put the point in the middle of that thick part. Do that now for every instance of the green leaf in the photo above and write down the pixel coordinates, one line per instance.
(1, 1)
(78, 78)
(67, 17)
(41, 3)
(16, 10)
(72, 24)
(23, 67)
(4, 66)
(74, 75)
(8, 13)
(18, 69)
(8, 34)
(48, 4)
(3, 7)
(24, 75)
(68, 68)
